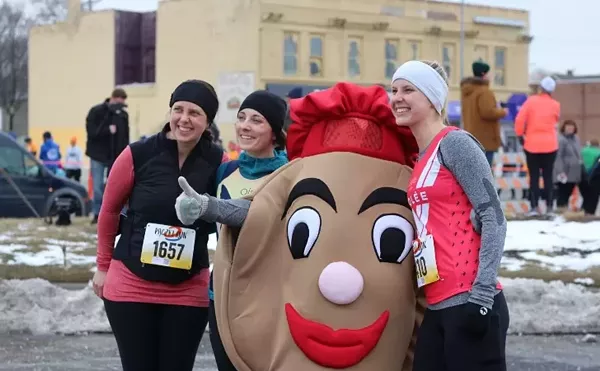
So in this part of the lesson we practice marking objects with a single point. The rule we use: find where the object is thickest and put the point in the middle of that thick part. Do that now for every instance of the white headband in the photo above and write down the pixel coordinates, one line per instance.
(427, 80)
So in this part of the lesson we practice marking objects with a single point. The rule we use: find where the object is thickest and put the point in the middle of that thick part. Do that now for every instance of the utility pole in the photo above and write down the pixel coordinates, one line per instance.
(462, 39)
(89, 4)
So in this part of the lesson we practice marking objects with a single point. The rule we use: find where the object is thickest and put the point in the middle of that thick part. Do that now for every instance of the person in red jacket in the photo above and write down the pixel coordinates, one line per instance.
(464, 327)
(155, 281)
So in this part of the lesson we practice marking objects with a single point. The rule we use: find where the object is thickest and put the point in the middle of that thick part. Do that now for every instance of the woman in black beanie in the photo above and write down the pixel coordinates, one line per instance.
(259, 131)
(155, 281)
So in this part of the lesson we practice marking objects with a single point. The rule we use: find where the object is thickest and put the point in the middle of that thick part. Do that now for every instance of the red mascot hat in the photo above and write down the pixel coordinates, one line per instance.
(349, 118)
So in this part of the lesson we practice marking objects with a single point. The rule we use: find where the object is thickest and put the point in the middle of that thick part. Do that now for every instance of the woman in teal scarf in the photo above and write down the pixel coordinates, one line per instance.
(259, 131)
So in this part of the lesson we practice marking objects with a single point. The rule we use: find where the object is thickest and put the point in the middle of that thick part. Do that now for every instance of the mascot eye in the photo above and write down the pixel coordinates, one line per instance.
(302, 231)
(392, 238)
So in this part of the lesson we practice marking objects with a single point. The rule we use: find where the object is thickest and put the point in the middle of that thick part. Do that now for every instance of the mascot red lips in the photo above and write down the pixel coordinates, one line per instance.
(335, 349)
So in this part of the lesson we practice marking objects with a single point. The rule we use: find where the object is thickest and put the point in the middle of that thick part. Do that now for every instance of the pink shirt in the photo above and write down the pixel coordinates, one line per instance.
(442, 209)
(121, 284)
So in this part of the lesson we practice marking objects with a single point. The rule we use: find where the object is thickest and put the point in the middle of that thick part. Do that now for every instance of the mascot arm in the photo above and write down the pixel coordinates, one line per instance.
(229, 212)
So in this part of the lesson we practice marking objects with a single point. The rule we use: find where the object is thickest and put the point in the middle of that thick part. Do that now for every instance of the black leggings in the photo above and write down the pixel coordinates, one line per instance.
(545, 163)
(590, 190)
(156, 337)
(223, 361)
(442, 345)
(564, 193)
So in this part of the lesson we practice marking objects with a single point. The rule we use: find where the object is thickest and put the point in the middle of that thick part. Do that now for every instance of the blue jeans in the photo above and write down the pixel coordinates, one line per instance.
(98, 171)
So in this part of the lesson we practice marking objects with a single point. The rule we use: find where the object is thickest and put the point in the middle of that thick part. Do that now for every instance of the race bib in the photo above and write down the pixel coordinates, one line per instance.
(425, 264)
(168, 246)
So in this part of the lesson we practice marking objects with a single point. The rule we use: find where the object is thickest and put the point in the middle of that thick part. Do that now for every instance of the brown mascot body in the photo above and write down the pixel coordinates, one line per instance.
(321, 275)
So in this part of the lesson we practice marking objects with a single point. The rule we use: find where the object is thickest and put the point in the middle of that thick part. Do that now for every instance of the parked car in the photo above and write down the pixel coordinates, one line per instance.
(24, 176)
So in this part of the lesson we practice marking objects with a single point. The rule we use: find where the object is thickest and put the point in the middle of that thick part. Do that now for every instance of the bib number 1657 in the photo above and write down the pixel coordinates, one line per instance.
(169, 250)
(168, 246)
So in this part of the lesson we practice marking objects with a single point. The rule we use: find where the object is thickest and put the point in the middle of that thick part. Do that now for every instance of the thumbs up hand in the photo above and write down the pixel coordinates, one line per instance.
(190, 205)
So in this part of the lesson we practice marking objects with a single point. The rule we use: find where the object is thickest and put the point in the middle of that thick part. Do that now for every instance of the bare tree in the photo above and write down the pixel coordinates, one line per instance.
(52, 11)
(49, 11)
(14, 27)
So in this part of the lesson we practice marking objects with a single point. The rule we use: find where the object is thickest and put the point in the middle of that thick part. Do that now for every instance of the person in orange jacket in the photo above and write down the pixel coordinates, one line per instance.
(536, 124)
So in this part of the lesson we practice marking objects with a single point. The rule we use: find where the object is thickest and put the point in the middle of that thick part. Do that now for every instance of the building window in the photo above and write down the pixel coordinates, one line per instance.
(354, 57)
(500, 66)
(290, 53)
(316, 55)
(448, 60)
(391, 57)
(415, 50)
(481, 53)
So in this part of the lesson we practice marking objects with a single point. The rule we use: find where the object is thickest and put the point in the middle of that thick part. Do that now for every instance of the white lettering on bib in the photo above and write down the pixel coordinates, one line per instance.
(425, 263)
(168, 246)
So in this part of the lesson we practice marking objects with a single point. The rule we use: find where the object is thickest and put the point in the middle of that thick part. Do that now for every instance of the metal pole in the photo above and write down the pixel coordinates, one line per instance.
(462, 39)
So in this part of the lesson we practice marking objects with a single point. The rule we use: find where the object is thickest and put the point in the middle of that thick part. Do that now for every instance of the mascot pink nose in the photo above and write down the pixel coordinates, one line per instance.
(341, 283)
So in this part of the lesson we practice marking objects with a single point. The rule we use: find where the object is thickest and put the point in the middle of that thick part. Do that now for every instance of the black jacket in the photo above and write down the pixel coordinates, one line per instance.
(102, 146)
(152, 200)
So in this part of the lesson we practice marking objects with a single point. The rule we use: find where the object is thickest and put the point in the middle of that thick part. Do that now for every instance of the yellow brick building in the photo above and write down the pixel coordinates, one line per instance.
(241, 45)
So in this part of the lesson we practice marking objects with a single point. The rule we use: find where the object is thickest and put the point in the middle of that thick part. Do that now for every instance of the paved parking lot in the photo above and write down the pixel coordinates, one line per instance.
(98, 352)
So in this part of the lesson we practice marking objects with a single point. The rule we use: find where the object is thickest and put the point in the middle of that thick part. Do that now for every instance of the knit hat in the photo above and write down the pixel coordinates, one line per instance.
(480, 68)
(200, 93)
(349, 118)
(295, 93)
(271, 106)
(548, 84)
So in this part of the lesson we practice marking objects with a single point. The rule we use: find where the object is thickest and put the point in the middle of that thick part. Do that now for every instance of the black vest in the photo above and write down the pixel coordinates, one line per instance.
(152, 200)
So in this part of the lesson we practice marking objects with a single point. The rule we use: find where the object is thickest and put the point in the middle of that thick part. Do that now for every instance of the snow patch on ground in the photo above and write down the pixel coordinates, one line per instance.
(40, 307)
(52, 255)
(552, 244)
(538, 306)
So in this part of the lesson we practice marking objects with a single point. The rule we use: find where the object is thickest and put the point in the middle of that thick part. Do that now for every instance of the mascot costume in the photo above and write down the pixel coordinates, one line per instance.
(321, 275)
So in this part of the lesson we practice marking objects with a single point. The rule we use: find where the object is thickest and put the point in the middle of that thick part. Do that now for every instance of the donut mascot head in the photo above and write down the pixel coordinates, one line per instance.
(321, 275)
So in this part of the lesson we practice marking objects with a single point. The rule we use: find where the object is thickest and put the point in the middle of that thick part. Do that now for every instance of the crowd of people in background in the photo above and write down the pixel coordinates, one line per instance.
(553, 151)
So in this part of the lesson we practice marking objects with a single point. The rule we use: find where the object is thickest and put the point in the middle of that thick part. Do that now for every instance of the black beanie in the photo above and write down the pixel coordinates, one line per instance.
(480, 68)
(198, 92)
(271, 106)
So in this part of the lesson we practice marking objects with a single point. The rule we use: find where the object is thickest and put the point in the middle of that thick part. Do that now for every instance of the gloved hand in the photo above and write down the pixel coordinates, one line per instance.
(190, 205)
(476, 319)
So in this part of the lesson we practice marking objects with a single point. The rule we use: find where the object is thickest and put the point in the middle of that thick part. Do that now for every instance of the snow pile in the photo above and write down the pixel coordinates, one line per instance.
(552, 244)
(547, 307)
(39, 307)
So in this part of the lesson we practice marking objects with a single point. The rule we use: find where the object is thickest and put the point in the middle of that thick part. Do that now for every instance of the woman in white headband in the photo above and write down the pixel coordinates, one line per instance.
(461, 230)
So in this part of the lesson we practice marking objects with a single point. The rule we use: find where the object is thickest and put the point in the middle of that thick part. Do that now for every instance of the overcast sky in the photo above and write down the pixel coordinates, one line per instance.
(566, 32)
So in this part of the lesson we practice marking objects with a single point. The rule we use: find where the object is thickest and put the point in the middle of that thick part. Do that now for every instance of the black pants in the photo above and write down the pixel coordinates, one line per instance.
(156, 337)
(545, 163)
(591, 194)
(443, 345)
(564, 193)
(73, 174)
(223, 361)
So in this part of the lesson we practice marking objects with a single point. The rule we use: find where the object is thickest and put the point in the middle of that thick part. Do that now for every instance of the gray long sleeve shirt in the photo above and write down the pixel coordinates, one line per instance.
(463, 155)
(460, 153)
